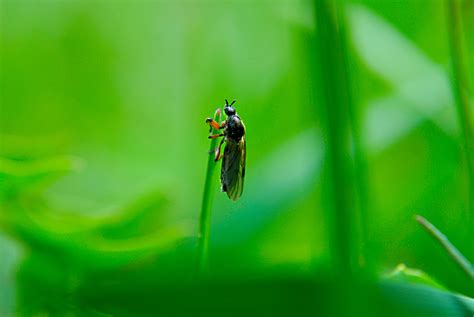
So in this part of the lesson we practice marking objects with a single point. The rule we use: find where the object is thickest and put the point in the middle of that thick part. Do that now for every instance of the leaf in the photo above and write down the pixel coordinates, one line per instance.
(18, 176)
(131, 235)
(421, 88)
(404, 274)
(420, 300)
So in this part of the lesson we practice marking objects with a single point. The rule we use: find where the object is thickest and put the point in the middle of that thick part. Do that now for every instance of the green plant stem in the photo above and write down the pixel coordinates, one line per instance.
(206, 207)
(335, 96)
(460, 85)
(448, 246)
(360, 161)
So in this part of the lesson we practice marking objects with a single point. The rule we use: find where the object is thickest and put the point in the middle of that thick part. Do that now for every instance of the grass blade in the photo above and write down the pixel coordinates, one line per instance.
(460, 85)
(448, 246)
(206, 207)
(335, 96)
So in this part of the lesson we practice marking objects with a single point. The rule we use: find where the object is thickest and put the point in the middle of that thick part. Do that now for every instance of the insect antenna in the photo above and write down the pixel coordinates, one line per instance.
(232, 102)
(226, 103)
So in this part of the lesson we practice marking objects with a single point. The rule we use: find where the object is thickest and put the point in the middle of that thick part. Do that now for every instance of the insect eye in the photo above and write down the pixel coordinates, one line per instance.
(229, 111)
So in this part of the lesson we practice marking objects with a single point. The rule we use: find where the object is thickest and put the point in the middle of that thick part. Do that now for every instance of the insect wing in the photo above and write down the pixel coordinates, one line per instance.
(233, 168)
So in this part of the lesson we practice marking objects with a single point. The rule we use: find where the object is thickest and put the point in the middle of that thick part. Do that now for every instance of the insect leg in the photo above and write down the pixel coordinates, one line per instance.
(213, 124)
(218, 155)
(215, 136)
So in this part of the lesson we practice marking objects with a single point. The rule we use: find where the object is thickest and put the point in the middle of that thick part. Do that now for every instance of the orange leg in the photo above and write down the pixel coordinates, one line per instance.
(213, 123)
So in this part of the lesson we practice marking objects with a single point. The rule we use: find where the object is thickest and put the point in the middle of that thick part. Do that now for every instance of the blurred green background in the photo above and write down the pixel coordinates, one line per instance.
(103, 145)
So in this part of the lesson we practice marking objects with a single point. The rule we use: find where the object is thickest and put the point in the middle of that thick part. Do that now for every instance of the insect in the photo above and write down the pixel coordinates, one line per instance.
(233, 160)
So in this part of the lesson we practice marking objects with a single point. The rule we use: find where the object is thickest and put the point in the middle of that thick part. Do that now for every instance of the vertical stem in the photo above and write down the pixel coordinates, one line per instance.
(360, 161)
(460, 85)
(335, 96)
(206, 207)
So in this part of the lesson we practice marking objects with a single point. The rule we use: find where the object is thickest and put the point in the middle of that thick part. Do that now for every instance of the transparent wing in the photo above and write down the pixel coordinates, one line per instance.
(233, 168)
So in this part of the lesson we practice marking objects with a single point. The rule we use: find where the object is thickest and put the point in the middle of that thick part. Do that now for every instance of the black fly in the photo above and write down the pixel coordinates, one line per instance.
(233, 163)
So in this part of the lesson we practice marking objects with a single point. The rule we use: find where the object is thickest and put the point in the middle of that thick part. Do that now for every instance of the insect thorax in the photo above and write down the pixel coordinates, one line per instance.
(234, 128)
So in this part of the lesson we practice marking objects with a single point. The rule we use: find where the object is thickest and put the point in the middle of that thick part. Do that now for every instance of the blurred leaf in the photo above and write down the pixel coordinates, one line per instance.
(19, 176)
(404, 274)
(32, 168)
(421, 88)
(419, 300)
(143, 216)
(104, 243)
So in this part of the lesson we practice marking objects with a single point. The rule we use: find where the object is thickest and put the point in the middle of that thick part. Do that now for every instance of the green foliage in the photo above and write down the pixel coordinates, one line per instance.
(354, 124)
(404, 274)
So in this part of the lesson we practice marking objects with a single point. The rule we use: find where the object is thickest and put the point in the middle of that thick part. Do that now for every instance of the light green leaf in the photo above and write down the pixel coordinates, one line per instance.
(421, 88)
